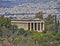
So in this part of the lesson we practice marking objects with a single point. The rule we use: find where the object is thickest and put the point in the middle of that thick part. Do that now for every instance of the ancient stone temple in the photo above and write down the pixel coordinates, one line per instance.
(29, 24)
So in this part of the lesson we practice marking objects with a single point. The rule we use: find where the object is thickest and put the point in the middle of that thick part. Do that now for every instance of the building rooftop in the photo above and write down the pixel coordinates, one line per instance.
(26, 19)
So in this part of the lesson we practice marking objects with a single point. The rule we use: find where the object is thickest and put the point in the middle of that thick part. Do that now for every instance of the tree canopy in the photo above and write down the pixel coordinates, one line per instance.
(21, 37)
(39, 15)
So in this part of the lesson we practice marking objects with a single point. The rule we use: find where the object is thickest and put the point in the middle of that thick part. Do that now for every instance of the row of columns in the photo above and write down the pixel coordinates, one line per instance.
(36, 26)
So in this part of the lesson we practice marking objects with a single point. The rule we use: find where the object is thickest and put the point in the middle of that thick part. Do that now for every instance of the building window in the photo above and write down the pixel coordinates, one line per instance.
(31, 26)
(35, 26)
(38, 26)
(28, 26)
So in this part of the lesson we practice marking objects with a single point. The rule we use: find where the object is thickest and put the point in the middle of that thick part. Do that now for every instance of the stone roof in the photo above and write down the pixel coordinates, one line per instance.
(27, 19)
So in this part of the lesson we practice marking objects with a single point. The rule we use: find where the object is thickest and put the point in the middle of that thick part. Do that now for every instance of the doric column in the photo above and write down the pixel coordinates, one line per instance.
(30, 26)
(40, 26)
(34, 26)
(43, 26)
(37, 26)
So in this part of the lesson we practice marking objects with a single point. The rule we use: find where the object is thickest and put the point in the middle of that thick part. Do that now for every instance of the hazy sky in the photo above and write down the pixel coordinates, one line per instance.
(9, 3)
(29, 0)
(19, 0)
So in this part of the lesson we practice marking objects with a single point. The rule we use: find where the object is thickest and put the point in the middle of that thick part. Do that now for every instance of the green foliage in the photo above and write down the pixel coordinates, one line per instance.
(21, 32)
(58, 36)
(29, 38)
(5, 25)
(5, 22)
(14, 28)
(15, 39)
(51, 23)
(39, 15)
(36, 35)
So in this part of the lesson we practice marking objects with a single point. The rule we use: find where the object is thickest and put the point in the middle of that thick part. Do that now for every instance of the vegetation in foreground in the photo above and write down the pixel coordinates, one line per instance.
(10, 35)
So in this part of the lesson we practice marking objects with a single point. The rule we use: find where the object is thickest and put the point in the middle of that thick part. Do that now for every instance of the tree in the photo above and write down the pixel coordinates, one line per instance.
(5, 22)
(49, 23)
(39, 15)
(14, 28)
(5, 25)
(21, 31)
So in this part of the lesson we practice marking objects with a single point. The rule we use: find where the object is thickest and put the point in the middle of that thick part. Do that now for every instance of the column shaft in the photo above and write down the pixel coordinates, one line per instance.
(34, 26)
(37, 26)
(43, 26)
(40, 26)
(30, 26)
